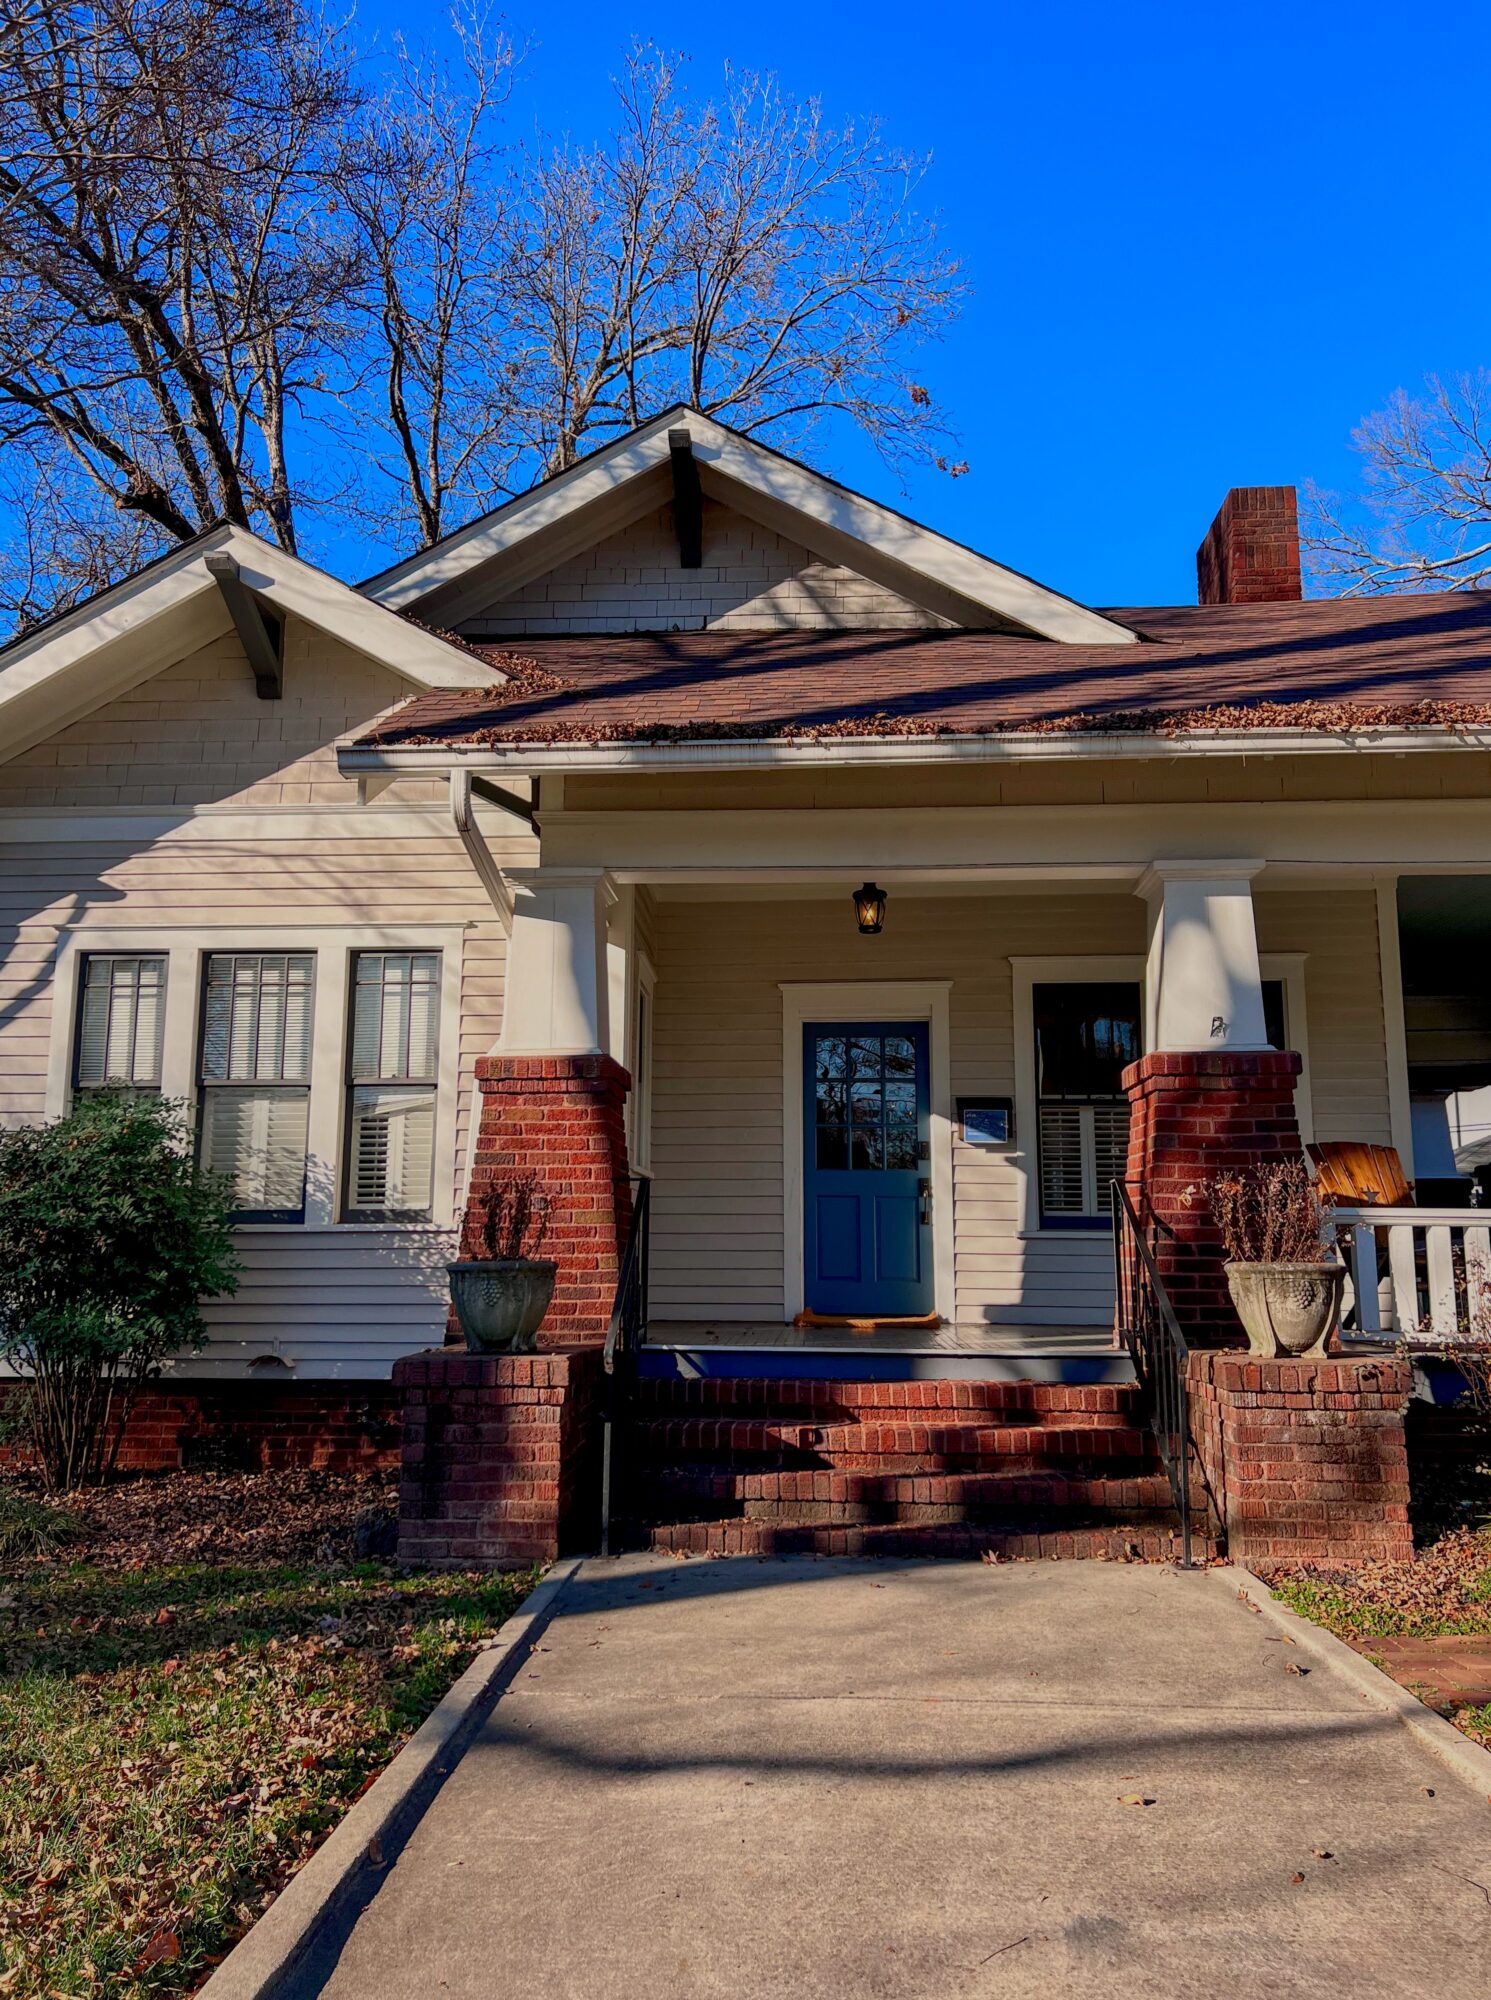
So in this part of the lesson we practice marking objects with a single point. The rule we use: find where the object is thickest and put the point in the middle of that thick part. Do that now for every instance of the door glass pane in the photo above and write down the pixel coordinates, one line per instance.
(864, 1103)
(829, 1059)
(864, 1055)
(901, 1147)
(831, 1101)
(900, 1056)
(867, 1151)
(900, 1103)
(833, 1146)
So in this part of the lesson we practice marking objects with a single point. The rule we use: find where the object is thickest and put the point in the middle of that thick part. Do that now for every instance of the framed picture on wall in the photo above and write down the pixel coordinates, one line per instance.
(986, 1121)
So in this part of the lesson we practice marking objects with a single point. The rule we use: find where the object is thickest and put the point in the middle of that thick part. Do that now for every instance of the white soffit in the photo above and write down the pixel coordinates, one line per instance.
(88, 657)
(576, 509)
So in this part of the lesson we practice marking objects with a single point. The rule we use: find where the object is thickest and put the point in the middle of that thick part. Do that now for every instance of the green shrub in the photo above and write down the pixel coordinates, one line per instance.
(30, 1528)
(110, 1234)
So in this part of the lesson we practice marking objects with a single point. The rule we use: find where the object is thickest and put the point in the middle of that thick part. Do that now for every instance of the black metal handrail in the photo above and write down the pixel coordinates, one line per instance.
(624, 1337)
(1158, 1349)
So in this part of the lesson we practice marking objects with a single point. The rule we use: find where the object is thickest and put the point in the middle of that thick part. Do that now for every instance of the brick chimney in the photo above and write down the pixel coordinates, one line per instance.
(1251, 551)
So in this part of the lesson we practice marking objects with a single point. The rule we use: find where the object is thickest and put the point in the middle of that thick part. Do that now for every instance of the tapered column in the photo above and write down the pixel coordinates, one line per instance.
(1204, 989)
(1209, 1094)
(553, 1098)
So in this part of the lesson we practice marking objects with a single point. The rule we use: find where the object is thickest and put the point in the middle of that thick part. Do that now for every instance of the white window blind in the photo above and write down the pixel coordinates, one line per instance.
(121, 1022)
(1083, 1150)
(256, 1068)
(393, 1067)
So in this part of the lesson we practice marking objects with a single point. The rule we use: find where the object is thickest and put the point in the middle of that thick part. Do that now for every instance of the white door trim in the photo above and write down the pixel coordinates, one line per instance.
(867, 1000)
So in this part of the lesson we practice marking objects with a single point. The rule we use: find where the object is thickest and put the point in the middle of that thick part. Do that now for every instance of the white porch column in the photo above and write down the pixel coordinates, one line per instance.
(1203, 987)
(557, 987)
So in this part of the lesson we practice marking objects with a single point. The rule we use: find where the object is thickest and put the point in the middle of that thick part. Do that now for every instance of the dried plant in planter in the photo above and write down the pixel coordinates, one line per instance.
(509, 1219)
(1269, 1214)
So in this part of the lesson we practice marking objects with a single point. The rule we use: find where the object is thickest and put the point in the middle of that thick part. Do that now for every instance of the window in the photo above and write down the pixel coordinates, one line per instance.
(255, 1076)
(1086, 1035)
(391, 1113)
(121, 1023)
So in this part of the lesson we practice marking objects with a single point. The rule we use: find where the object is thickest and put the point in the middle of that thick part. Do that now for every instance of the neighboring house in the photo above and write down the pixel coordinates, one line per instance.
(669, 710)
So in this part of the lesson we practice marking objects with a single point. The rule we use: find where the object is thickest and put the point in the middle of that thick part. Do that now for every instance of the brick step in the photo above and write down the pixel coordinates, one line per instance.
(890, 1447)
(887, 1402)
(1118, 1542)
(692, 1492)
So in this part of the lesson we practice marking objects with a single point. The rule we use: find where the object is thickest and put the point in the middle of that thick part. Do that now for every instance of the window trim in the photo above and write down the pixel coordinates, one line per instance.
(185, 949)
(1028, 973)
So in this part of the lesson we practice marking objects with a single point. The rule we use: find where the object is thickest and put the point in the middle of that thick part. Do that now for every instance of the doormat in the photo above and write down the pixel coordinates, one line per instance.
(921, 1322)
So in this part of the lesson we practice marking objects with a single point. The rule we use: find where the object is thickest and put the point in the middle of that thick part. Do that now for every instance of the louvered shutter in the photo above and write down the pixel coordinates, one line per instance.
(258, 1139)
(393, 1134)
(1110, 1149)
(1061, 1159)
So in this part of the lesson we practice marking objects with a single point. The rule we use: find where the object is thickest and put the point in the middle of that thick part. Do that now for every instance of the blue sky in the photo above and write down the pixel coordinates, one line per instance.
(1203, 240)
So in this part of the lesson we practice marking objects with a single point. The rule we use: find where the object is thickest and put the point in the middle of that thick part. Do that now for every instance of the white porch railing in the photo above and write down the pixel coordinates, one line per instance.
(1435, 1275)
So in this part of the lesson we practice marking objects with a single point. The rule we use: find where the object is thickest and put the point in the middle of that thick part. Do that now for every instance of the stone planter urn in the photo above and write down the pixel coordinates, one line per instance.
(501, 1301)
(1287, 1308)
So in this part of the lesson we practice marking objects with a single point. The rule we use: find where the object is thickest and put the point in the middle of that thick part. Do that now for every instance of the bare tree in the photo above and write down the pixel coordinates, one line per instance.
(421, 178)
(1422, 520)
(741, 255)
(168, 277)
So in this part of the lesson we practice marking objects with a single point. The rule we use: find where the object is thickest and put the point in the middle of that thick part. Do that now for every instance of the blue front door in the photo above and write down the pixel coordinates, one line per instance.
(866, 1126)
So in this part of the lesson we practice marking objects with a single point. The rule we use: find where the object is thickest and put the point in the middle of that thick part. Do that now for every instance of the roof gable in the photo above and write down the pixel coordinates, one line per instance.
(627, 479)
(89, 656)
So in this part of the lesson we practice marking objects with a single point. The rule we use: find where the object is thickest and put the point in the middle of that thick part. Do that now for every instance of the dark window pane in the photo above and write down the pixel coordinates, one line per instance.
(864, 1103)
(1273, 1014)
(900, 1101)
(1086, 1035)
(900, 1146)
(830, 1104)
(830, 1055)
(833, 1146)
(864, 1055)
(867, 1152)
(900, 1056)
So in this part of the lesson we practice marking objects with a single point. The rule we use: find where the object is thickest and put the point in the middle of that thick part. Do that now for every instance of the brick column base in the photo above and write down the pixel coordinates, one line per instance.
(501, 1457)
(562, 1118)
(1191, 1116)
(1306, 1461)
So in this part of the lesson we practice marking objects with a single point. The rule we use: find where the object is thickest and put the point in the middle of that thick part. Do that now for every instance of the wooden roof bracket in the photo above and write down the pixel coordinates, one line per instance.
(688, 500)
(261, 632)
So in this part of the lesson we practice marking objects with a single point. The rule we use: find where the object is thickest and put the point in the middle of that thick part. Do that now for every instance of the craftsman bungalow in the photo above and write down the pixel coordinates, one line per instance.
(692, 822)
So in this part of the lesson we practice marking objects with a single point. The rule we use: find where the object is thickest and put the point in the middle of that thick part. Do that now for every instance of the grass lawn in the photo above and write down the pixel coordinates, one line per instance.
(192, 1692)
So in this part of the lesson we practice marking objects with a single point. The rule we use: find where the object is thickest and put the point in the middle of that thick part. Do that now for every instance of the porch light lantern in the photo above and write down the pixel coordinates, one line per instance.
(869, 910)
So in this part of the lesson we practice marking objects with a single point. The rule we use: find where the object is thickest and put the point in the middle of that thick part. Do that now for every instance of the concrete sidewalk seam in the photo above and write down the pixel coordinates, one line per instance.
(315, 1911)
(1467, 1760)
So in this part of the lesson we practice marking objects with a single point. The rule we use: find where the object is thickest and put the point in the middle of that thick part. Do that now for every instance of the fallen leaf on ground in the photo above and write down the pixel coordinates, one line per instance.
(1134, 1799)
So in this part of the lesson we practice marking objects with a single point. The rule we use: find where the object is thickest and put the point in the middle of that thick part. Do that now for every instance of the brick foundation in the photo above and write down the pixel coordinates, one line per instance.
(254, 1426)
(501, 1457)
(562, 1117)
(1305, 1461)
(1193, 1115)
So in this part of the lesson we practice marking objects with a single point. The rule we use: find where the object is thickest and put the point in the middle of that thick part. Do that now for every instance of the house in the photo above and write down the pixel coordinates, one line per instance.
(694, 821)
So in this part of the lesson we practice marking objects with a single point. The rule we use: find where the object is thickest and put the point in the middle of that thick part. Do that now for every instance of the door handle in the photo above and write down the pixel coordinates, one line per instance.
(924, 1198)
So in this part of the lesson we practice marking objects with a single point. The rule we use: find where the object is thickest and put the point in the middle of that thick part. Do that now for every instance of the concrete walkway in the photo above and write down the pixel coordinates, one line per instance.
(745, 1778)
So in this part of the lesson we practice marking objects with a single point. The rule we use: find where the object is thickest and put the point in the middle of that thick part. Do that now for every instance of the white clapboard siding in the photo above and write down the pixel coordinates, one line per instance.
(330, 1302)
(1337, 930)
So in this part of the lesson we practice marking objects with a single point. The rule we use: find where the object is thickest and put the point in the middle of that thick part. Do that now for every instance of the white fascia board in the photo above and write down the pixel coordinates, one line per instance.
(758, 469)
(727, 754)
(406, 649)
(104, 649)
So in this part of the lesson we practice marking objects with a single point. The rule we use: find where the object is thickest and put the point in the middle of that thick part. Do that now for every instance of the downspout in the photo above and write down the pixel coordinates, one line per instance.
(463, 818)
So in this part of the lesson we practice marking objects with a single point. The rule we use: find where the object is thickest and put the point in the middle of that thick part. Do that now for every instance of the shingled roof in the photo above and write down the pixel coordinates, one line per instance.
(1331, 664)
